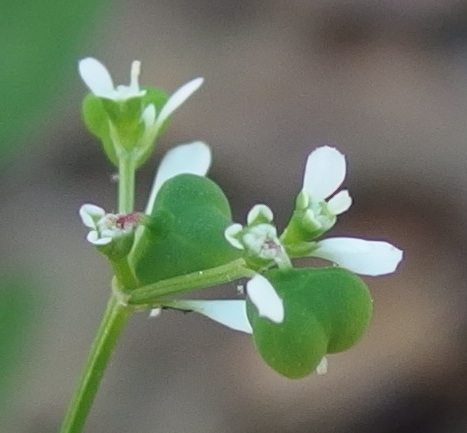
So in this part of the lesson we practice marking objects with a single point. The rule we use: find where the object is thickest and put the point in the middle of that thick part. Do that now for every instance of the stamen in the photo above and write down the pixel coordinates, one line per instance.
(135, 72)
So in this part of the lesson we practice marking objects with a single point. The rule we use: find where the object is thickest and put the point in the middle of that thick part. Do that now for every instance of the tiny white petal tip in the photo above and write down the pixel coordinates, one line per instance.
(340, 203)
(93, 238)
(231, 234)
(89, 214)
(260, 211)
(322, 366)
(149, 115)
(265, 298)
(155, 312)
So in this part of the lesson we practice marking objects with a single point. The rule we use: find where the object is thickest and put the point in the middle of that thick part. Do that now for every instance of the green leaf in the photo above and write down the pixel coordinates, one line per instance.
(327, 310)
(186, 232)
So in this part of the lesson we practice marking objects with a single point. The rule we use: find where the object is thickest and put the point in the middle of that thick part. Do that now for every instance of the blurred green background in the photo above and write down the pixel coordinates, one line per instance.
(385, 82)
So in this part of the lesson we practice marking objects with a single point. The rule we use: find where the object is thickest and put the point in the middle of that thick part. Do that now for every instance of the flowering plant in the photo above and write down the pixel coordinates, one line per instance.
(185, 240)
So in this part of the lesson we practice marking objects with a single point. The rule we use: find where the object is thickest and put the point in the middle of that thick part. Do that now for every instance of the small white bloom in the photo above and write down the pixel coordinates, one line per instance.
(259, 238)
(99, 81)
(324, 173)
(194, 158)
(106, 226)
(360, 256)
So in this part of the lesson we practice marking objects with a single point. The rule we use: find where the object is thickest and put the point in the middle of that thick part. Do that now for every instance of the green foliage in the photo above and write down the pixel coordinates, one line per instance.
(186, 231)
(327, 310)
(41, 45)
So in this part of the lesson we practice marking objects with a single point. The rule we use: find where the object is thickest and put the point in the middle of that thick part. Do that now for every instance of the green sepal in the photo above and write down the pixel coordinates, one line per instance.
(192, 212)
(158, 98)
(327, 310)
(155, 96)
(119, 126)
(125, 125)
(119, 248)
(97, 122)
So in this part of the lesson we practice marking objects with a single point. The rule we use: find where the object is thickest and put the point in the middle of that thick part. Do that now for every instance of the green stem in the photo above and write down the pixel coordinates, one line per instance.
(126, 202)
(126, 183)
(209, 277)
(112, 324)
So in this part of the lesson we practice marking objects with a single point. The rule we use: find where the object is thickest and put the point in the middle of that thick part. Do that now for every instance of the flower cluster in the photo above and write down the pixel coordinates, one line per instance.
(187, 226)
(324, 173)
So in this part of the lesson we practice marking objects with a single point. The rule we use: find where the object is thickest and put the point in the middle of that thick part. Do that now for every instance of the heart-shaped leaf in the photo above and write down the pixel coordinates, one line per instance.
(327, 310)
(186, 232)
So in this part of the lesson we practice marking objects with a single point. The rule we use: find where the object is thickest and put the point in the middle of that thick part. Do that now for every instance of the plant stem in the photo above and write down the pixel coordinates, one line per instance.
(112, 324)
(113, 320)
(126, 202)
(206, 278)
(126, 183)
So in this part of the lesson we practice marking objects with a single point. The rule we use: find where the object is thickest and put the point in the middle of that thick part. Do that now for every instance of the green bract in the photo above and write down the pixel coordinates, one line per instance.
(120, 126)
(327, 310)
(185, 232)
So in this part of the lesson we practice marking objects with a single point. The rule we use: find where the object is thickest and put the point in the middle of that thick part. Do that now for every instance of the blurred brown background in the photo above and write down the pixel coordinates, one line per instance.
(386, 83)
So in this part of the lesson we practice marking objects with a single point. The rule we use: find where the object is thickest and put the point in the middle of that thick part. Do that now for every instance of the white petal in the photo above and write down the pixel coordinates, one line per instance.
(230, 234)
(324, 172)
(231, 313)
(178, 98)
(96, 77)
(260, 211)
(155, 312)
(322, 366)
(360, 256)
(90, 213)
(149, 115)
(93, 238)
(340, 202)
(265, 298)
(194, 158)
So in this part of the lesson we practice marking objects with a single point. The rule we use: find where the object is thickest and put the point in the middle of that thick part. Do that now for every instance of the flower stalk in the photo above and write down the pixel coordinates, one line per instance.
(110, 329)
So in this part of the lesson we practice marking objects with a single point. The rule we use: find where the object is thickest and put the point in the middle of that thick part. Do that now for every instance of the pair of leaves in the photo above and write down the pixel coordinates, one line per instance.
(185, 232)
(327, 310)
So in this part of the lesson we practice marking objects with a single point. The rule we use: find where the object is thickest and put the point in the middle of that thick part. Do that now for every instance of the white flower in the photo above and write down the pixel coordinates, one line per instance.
(98, 79)
(324, 173)
(360, 256)
(106, 226)
(259, 238)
